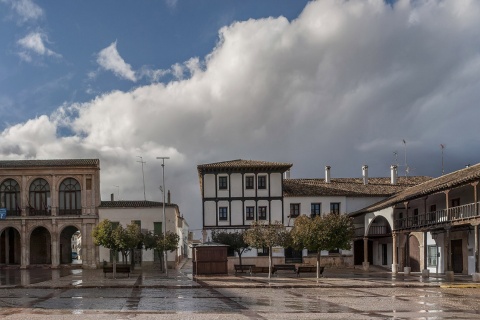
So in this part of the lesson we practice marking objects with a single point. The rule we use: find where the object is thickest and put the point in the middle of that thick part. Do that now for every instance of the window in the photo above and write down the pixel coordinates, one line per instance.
(415, 216)
(294, 210)
(249, 182)
(432, 214)
(39, 198)
(70, 197)
(262, 213)
(315, 209)
(262, 251)
(262, 182)
(335, 207)
(223, 213)
(223, 183)
(432, 256)
(250, 213)
(10, 197)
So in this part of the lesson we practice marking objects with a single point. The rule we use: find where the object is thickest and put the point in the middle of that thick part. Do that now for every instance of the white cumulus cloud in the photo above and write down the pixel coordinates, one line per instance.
(34, 43)
(25, 9)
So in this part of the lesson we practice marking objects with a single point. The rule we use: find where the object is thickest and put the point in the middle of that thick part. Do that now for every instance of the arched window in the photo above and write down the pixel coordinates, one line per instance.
(70, 197)
(10, 197)
(39, 198)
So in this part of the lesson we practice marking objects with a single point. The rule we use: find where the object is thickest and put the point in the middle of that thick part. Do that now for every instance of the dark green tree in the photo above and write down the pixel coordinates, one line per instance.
(235, 240)
(332, 231)
(152, 241)
(262, 235)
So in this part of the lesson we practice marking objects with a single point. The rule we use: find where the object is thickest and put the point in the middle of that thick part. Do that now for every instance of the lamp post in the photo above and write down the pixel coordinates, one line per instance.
(163, 205)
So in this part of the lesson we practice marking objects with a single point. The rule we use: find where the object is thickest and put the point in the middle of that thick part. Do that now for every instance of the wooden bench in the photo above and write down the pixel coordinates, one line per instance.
(309, 269)
(258, 270)
(120, 268)
(287, 267)
(243, 267)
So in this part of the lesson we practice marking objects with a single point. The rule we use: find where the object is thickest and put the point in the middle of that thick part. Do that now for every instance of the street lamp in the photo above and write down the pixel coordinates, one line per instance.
(163, 205)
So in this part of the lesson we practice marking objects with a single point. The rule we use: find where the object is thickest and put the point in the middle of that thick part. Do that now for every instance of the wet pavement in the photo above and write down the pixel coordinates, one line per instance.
(149, 294)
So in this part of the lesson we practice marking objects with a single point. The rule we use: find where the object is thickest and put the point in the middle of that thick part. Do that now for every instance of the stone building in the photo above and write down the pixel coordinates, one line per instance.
(42, 204)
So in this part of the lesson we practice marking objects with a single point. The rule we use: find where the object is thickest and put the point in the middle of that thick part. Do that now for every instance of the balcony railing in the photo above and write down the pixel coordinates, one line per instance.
(69, 212)
(438, 217)
(373, 231)
(35, 212)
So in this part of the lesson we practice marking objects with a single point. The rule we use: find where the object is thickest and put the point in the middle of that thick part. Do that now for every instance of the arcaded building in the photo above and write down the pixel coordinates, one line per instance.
(43, 203)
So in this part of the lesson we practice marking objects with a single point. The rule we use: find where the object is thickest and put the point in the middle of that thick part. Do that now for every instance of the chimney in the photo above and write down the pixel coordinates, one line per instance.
(365, 174)
(112, 197)
(286, 174)
(393, 174)
(327, 174)
(168, 197)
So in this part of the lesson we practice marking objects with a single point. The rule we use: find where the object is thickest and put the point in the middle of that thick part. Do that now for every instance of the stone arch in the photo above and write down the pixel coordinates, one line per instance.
(40, 246)
(10, 246)
(65, 243)
(379, 225)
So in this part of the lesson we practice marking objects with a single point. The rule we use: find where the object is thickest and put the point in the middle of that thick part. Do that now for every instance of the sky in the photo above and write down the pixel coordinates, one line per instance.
(312, 83)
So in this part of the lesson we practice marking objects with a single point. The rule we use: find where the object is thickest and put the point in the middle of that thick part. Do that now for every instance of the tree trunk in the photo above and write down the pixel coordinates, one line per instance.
(114, 263)
(318, 263)
(269, 262)
(239, 257)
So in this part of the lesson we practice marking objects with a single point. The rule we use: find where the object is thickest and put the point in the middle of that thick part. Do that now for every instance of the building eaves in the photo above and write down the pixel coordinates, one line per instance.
(445, 182)
(49, 163)
(134, 204)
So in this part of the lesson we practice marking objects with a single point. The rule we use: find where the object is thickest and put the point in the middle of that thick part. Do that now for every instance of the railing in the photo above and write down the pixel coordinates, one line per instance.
(35, 212)
(69, 212)
(14, 213)
(437, 217)
(373, 231)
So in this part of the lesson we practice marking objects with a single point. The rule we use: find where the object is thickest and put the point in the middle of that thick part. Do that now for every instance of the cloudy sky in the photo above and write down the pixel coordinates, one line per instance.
(314, 83)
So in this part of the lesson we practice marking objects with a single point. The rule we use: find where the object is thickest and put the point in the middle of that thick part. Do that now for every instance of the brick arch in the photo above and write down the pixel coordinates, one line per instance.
(61, 178)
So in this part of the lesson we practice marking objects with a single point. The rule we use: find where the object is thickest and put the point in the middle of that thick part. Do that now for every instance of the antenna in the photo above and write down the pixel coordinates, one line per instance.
(143, 175)
(395, 155)
(406, 165)
(443, 147)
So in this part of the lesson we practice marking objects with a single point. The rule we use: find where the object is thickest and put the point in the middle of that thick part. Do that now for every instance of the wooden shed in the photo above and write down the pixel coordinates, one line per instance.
(210, 258)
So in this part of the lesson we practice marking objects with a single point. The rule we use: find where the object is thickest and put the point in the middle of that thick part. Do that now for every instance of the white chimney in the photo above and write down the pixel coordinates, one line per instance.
(286, 174)
(327, 174)
(393, 174)
(365, 174)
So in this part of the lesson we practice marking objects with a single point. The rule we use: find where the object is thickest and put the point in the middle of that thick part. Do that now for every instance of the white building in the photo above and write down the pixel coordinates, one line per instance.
(149, 216)
(435, 227)
(236, 193)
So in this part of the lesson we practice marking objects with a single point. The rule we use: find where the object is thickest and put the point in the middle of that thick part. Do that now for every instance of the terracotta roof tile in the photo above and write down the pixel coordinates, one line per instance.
(448, 181)
(352, 187)
(134, 204)
(241, 164)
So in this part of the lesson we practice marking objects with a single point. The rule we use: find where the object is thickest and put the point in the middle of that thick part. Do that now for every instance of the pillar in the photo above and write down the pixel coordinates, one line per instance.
(447, 255)
(55, 245)
(477, 249)
(24, 259)
(394, 253)
(366, 264)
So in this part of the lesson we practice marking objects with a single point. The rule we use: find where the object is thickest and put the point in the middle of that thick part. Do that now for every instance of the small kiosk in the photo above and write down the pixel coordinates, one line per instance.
(209, 258)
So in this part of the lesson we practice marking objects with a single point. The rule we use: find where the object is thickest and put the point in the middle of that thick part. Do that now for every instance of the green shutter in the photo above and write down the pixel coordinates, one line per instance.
(157, 228)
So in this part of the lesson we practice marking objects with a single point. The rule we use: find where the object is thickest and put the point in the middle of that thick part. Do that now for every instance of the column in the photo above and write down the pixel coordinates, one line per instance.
(55, 245)
(24, 260)
(366, 264)
(425, 271)
(476, 249)
(394, 253)
(449, 276)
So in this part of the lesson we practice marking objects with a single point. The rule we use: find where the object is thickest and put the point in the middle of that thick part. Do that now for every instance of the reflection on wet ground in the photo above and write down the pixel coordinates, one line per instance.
(25, 277)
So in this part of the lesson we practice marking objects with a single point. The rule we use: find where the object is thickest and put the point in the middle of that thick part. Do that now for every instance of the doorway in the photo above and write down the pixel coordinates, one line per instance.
(457, 256)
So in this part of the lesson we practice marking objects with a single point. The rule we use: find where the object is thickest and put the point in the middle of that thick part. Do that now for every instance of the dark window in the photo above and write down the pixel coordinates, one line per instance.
(249, 182)
(315, 209)
(223, 183)
(415, 216)
(262, 251)
(10, 197)
(223, 213)
(294, 210)
(70, 197)
(39, 196)
(432, 214)
(262, 213)
(335, 207)
(262, 182)
(250, 213)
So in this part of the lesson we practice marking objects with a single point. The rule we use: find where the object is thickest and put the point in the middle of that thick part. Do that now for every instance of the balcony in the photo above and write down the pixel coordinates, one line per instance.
(434, 218)
(374, 231)
(69, 212)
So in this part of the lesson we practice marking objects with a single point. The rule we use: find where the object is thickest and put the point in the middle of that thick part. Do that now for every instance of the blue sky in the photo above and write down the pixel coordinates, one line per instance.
(148, 34)
(328, 82)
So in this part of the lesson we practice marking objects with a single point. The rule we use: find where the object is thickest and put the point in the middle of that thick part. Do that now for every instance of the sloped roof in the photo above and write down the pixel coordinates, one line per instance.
(49, 163)
(445, 182)
(134, 204)
(352, 187)
(242, 165)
